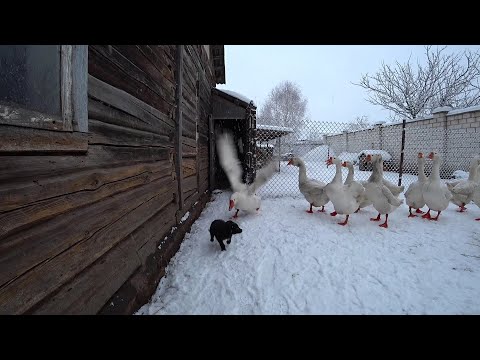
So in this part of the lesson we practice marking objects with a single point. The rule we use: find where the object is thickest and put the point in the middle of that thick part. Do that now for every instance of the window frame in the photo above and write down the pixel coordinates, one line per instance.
(20, 127)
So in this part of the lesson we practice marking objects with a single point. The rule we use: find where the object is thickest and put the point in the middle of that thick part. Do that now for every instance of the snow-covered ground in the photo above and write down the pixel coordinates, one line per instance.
(287, 261)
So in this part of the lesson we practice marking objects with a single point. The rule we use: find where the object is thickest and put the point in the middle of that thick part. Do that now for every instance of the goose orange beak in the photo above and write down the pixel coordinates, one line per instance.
(368, 158)
(344, 164)
(329, 162)
(290, 162)
(430, 156)
(420, 155)
(232, 204)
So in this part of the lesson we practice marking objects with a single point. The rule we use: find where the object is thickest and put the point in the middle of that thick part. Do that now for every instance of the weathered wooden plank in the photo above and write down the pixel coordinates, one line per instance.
(66, 78)
(161, 63)
(154, 233)
(189, 103)
(18, 167)
(188, 194)
(13, 115)
(189, 151)
(103, 69)
(190, 130)
(191, 199)
(80, 87)
(138, 59)
(122, 100)
(189, 167)
(23, 140)
(20, 194)
(203, 165)
(179, 123)
(89, 291)
(99, 111)
(14, 221)
(189, 183)
(189, 93)
(107, 134)
(108, 53)
(165, 53)
(24, 292)
(189, 113)
(128, 63)
(189, 142)
(22, 252)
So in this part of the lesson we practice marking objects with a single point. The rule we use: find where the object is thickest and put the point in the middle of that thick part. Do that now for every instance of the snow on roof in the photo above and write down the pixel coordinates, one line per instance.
(237, 96)
(265, 145)
(464, 110)
(273, 127)
(460, 174)
(347, 156)
(385, 155)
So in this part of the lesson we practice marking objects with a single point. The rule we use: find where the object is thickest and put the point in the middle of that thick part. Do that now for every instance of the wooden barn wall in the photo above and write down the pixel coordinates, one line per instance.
(196, 107)
(77, 230)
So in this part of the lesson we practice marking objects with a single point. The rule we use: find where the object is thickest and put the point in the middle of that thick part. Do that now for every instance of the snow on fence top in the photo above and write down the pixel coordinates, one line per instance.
(237, 96)
(275, 128)
(464, 110)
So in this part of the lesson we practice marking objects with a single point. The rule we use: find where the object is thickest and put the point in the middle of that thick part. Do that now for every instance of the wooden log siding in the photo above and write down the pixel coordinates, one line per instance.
(80, 226)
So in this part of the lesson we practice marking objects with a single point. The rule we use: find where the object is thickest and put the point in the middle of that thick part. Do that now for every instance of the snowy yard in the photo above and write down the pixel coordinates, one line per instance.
(287, 261)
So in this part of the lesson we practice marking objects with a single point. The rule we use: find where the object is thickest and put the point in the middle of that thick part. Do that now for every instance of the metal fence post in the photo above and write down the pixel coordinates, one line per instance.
(400, 171)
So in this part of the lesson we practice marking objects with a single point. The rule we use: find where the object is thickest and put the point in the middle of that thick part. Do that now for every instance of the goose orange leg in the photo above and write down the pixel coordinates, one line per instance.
(436, 218)
(376, 219)
(345, 222)
(427, 215)
(385, 224)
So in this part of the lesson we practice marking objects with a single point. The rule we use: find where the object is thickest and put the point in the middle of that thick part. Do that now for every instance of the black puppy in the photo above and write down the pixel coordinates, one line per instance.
(223, 231)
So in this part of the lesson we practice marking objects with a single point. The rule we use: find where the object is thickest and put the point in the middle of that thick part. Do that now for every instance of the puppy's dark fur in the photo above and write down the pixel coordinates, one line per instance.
(222, 230)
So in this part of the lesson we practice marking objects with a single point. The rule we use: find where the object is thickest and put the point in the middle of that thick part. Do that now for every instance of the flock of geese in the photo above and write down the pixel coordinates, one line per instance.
(350, 196)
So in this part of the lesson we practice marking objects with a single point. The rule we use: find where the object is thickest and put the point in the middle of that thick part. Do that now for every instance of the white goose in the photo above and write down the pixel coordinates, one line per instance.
(382, 198)
(476, 193)
(462, 190)
(345, 198)
(313, 190)
(364, 202)
(436, 194)
(414, 193)
(243, 197)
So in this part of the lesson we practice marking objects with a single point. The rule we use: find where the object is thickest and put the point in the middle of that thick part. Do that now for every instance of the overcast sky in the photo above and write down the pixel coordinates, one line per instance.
(323, 72)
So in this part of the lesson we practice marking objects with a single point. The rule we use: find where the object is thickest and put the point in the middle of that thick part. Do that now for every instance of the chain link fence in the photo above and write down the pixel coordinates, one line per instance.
(320, 140)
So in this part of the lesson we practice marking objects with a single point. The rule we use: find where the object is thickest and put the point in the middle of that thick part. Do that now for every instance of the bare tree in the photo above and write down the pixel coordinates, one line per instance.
(360, 123)
(285, 106)
(411, 90)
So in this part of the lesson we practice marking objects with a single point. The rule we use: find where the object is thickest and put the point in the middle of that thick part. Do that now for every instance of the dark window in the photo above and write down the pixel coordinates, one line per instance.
(30, 77)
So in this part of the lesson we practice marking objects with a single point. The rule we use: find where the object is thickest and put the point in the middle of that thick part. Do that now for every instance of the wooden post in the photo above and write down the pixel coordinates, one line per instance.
(179, 124)
(279, 151)
(211, 153)
(197, 120)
